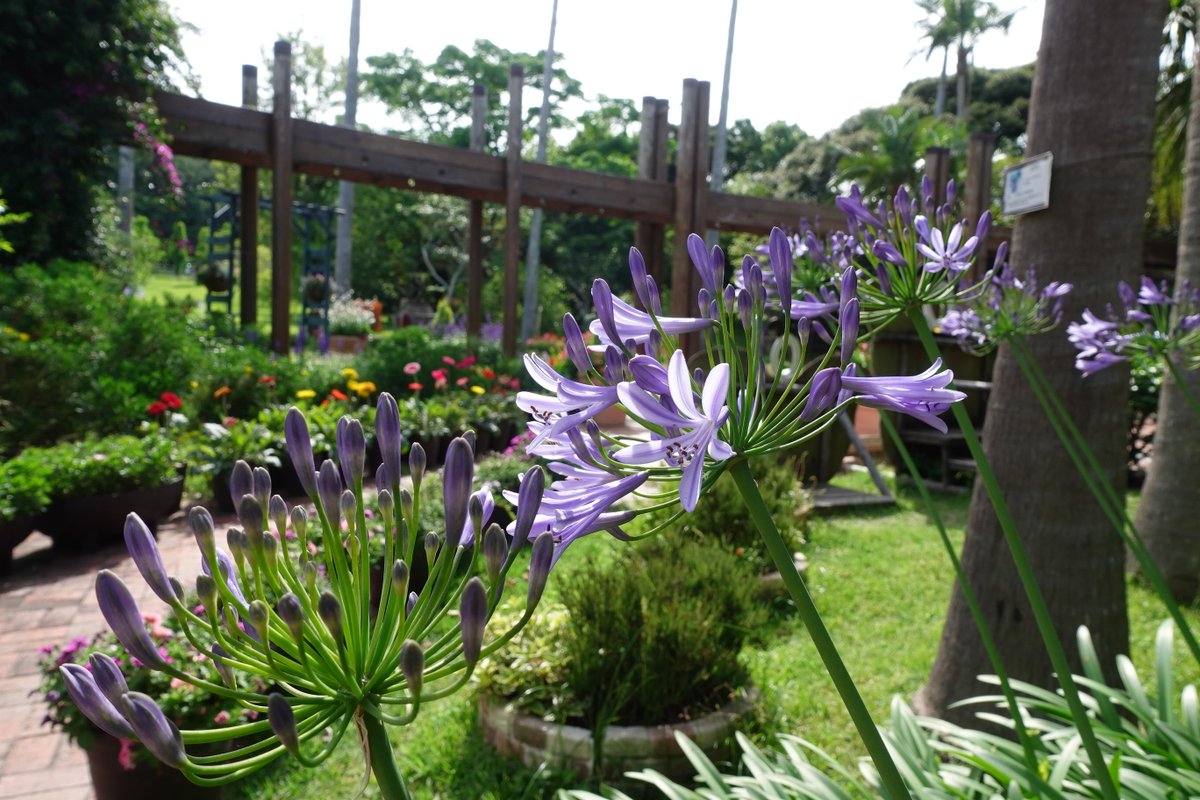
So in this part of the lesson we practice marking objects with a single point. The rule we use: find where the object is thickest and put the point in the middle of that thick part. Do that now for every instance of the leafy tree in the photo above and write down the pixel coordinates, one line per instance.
(752, 151)
(77, 77)
(1174, 103)
(434, 100)
(890, 154)
(961, 23)
(999, 103)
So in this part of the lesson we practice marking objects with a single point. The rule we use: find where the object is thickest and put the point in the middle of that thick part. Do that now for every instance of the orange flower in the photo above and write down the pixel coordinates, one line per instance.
(219, 393)
(337, 394)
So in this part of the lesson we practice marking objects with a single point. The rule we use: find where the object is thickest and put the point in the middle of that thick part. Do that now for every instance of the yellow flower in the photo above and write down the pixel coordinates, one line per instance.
(477, 390)
(305, 394)
(24, 337)
(8, 329)
(351, 373)
(364, 389)
(352, 385)
(195, 384)
(249, 369)
(219, 393)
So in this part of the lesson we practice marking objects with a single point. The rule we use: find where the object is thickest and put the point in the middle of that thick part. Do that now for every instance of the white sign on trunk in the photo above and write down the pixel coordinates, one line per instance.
(1027, 185)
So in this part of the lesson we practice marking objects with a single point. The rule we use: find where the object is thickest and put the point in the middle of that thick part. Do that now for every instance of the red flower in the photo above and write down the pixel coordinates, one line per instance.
(487, 373)
(416, 387)
(337, 394)
(268, 379)
(466, 362)
(156, 408)
(171, 401)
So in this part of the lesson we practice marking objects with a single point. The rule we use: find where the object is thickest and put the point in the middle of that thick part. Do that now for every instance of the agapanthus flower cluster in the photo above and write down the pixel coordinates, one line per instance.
(1009, 306)
(913, 253)
(700, 412)
(304, 624)
(1151, 324)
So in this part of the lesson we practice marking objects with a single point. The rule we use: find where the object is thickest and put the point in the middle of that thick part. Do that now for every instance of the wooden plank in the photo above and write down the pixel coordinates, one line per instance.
(212, 130)
(512, 210)
(248, 214)
(475, 221)
(281, 199)
(556, 188)
(937, 168)
(644, 235)
(685, 202)
(731, 212)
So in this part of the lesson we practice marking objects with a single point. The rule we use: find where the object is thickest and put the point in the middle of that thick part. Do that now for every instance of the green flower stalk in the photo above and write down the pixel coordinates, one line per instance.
(303, 626)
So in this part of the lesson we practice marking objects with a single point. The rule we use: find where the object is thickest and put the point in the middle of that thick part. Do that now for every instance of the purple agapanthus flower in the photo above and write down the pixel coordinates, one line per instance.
(944, 253)
(570, 403)
(1152, 324)
(700, 425)
(1009, 306)
(922, 396)
(619, 323)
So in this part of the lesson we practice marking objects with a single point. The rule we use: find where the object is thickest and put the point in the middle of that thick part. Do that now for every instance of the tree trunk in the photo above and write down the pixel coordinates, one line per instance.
(962, 73)
(1093, 107)
(939, 104)
(533, 249)
(1166, 517)
(721, 143)
(345, 221)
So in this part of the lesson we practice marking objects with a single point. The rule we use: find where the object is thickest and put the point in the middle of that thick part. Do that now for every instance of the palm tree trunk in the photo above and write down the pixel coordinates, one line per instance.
(345, 222)
(1103, 55)
(1166, 517)
(533, 250)
(962, 75)
(939, 105)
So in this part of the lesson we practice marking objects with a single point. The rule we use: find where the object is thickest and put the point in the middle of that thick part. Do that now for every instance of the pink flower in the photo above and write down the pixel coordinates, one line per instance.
(412, 368)
(125, 754)
(462, 381)
(222, 717)
(448, 360)
(177, 683)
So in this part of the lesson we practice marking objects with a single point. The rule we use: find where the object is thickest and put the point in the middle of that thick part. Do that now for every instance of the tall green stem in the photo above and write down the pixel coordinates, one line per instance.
(985, 633)
(383, 762)
(1110, 502)
(782, 556)
(1037, 602)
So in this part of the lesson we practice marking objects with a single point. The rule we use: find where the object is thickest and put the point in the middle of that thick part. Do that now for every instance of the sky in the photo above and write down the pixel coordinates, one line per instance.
(811, 63)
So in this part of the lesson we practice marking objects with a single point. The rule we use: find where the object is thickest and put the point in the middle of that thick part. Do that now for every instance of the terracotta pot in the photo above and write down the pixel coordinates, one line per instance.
(111, 781)
(84, 524)
(341, 343)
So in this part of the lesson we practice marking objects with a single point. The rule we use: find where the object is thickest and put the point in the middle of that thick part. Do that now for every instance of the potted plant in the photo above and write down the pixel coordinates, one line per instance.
(643, 645)
(314, 288)
(96, 483)
(214, 277)
(218, 447)
(24, 498)
(350, 322)
(122, 769)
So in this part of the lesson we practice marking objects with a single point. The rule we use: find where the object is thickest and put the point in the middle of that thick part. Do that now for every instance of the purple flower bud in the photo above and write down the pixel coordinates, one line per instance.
(745, 308)
(389, 438)
(310, 575)
(495, 550)
(849, 324)
(637, 269)
(603, 301)
(238, 544)
(108, 677)
(299, 522)
(258, 614)
(144, 551)
(982, 227)
(540, 561)
(352, 450)
(299, 445)
(399, 576)
(121, 612)
(576, 348)
(410, 604)
(1127, 295)
(951, 192)
(529, 500)
(223, 669)
(385, 502)
(203, 529)
(270, 548)
(927, 192)
(291, 612)
(278, 511)
(412, 665)
(655, 296)
(283, 722)
(823, 393)
(703, 301)
(250, 513)
(330, 612)
(703, 261)
(262, 487)
(473, 619)
(86, 695)
(156, 732)
(329, 487)
(780, 253)
(206, 590)
(457, 476)
(228, 575)
(1001, 256)
(416, 464)
(886, 251)
(614, 366)
(804, 330)
(431, 548)
(241, 482)
(903, 206)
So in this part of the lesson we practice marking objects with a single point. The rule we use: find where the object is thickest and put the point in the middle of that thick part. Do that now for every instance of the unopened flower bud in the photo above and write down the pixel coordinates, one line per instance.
(352, 450)
(223, 669)
(330, 611)
(472, 619)
(270, 546)
(238, 545)
(416, 465)
(291, 612)
(241, 482)
(410, 604)
(299, 445)
(156, 732)
(310, 575)
(386, 504)
(495, 549)
(283, 722)
(406, 501)
(121, 612)
(539, 568)
(262, 486)
(412, 664)
(250, 514)
(529, 500)
(300, 523)
(431, 548)
(382, 479)
(469, 437)
(399, 576)
(388, 436)
(474, 516)
(88, 698)
(108, 677)
(258, 614)
(329, 486)
(201, 524)
(206, 590)
(278, 511)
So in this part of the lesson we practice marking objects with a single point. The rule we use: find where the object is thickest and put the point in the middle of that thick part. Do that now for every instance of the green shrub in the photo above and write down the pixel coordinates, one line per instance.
(386, 357)
(110, 464)
(24, 485)
(652, 636)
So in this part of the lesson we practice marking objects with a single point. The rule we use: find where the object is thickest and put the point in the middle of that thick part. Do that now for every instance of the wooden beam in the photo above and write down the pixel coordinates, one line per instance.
(685, 201)
(475, 221)
(937, 168)
(248, 215)
(978, 194)
(643, 234)
(281, 200)
(512, 209)
(699, 193)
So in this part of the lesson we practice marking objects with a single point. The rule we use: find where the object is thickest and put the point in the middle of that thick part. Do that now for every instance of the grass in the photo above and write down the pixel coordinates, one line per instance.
(161, 286)
(882, 583)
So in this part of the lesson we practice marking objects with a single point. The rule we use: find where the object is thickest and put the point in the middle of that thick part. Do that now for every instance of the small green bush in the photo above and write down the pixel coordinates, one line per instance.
(24, 485)
(110, 464)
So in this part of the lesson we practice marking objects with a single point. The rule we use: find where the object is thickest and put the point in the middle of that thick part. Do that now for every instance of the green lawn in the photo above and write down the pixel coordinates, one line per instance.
(881, 581)
(161, 286)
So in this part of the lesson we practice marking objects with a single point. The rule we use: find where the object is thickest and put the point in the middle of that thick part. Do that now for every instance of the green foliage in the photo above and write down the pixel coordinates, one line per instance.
(999, 103)
(385, 358)
(25, 485)
(895, 144)
(648, 637)
(76, 79)
(110, 464)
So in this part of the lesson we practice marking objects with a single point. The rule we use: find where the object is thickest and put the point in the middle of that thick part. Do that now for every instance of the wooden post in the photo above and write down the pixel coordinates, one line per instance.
(281, 200)
(937, 167)
(652, 166)
(700, 191)
(475, 221)
(685, 201)
(249, 215)
(512, 210)
(980, 148)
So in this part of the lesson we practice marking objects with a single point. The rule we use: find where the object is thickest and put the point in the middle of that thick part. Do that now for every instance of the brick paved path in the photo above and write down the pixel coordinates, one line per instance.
(47, 599)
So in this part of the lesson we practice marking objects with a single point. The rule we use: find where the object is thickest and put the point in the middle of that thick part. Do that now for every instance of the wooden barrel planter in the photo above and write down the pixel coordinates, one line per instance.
(85, 524)
(146, 781)
(626, 748)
